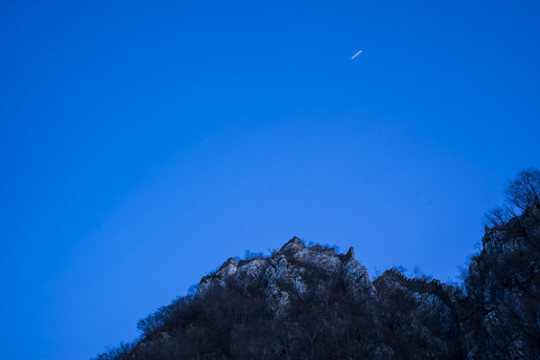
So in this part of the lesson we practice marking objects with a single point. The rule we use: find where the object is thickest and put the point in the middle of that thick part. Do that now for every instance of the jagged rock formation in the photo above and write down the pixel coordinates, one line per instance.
(311, 303)
(440, 302)
(289, 269)
(504, 291)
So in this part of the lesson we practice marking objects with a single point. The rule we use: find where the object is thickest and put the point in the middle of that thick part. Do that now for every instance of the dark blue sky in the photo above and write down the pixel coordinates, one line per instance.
(141, 144)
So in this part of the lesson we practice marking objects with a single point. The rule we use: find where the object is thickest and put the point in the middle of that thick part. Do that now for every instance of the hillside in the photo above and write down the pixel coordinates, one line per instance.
(312, 303)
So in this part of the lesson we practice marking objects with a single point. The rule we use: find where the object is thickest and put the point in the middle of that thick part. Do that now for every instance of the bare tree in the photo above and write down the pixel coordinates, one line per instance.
(497, 216)
(524, 191)
(520, 194)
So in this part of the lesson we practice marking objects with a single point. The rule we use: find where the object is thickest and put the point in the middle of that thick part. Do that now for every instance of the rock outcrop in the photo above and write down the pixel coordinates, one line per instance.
(503, 287)
(288, 270)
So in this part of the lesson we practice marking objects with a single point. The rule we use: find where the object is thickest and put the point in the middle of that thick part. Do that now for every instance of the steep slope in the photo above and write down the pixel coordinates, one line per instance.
(504, 291)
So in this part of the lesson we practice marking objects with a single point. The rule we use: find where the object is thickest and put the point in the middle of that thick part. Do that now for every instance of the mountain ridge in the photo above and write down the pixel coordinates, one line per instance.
(309, 302)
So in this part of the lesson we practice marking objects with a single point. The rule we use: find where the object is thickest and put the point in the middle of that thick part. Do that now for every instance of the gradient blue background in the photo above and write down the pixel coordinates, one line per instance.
(143, 143)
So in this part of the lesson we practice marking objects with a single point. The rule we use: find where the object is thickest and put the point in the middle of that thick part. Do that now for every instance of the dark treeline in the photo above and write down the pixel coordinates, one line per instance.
(325, 323)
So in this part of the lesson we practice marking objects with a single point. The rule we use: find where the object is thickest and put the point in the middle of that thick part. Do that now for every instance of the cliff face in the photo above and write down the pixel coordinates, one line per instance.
(504, 291)
(311, 303)
(500, 316)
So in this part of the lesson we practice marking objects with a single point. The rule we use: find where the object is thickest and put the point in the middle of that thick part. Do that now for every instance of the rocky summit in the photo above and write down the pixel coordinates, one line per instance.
(308, 302)
(288, 273)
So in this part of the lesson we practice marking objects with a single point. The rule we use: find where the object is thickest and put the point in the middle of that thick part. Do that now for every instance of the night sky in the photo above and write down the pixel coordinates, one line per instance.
(144, 143)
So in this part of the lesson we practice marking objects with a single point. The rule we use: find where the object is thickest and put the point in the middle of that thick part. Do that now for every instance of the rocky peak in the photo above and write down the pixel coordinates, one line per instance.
(292, 246)
(289, 271)
(349, 255)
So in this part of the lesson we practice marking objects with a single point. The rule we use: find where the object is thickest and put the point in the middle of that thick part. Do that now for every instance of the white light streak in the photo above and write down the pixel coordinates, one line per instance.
(355, 55)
